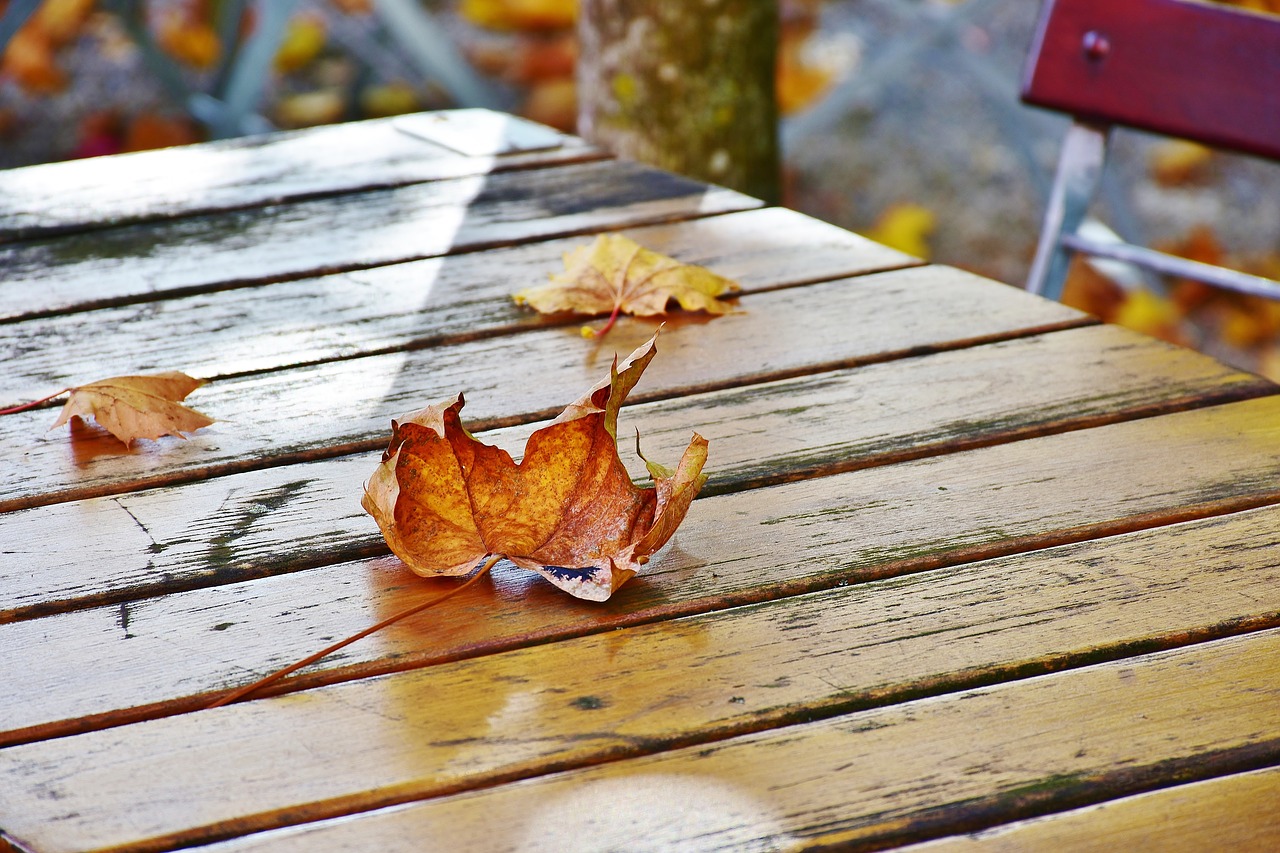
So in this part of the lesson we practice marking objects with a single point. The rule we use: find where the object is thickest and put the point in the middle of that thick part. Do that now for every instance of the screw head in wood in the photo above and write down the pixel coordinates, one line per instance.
(1096, 46)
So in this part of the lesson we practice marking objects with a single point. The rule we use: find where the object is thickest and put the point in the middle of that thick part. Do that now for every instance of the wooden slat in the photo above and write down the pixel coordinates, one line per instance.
(869, 779)
(1236, 812)
(245, 172)
(353, 231)
(227, 528)
(415, 303)
(737, 548)
(342, 406)
(889, 772)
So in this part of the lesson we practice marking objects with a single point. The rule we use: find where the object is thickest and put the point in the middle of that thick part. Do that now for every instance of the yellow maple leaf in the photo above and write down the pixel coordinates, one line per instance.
(615, 274)
(132, 407)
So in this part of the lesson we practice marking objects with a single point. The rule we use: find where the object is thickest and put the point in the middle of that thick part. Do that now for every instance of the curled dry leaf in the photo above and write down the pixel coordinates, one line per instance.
(131, 407)
(568, 511)
(617, 275)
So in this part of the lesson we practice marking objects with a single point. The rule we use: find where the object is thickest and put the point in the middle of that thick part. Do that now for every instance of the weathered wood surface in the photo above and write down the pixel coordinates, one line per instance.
(344, 232)
(875, 777)
(886, 773)
(965, 557)
(733, 549)
(1236, 812)
(416, 303)
(245, 172)
(229, 528)
(338, 407)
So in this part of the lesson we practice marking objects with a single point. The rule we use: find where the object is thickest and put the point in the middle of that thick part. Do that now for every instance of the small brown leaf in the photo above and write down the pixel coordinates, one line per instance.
(567, 511)
(616, 274)
(131, 407)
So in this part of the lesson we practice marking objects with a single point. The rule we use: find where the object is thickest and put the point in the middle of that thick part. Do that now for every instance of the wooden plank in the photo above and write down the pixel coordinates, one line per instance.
(418, 303)
(1236, 812)
(889, 773)
(228, 528)
(868, 780)
(328, 409)
(351, 231)
(239, 173)
(734, 549)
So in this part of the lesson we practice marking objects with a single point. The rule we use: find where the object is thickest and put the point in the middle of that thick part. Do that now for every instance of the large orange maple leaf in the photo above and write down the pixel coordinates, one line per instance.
(568, 510)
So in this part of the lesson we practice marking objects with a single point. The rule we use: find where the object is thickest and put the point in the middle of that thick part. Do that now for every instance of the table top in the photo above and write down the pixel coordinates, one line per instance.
(970, 570)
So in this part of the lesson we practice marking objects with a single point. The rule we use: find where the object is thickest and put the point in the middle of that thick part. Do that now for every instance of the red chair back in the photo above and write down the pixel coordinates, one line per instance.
(1178, 67)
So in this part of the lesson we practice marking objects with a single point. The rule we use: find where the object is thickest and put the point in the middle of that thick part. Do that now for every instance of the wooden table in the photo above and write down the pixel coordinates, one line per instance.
(966, 561)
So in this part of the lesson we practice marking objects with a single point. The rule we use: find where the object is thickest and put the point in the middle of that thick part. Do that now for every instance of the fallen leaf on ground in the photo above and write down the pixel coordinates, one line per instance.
(568, 511)
(304, 38)
(29, 56)
(905, 227)
(132, 407)
(147, 131)
(615, 274)
(1175, 162)
(307, 109)
(187, 34)
(520, 14)
(1144, 311)
(381, 100)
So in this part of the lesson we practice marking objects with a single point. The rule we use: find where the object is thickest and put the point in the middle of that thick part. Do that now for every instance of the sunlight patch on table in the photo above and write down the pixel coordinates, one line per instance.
(650, 812)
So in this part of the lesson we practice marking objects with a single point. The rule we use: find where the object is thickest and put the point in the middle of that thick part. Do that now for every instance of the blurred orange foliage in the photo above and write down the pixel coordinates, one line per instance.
(800, 82)
(185, 31)
(29, 58)
(1194, 312)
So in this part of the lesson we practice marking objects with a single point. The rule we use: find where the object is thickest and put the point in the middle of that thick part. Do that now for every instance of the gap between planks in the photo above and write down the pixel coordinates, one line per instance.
(246, 172)
(409, 305)
(1235, 812)
(1163, 637)
(221, 251)
(687, 583)
(771, 338)
(500, 164)
(894, 792)
(290, 741)
(759, 439)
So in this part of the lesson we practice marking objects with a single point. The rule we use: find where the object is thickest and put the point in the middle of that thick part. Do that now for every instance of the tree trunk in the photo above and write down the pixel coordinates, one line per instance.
(687, 86)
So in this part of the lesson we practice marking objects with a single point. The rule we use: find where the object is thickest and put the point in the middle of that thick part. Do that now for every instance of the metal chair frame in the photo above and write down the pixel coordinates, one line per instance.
(1174, 67)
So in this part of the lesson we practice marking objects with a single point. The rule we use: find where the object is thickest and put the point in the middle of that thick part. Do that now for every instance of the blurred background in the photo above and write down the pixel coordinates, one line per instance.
(899, 120)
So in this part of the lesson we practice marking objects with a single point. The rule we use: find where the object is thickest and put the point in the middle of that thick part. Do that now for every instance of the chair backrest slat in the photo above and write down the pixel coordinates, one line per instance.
(1178, 67)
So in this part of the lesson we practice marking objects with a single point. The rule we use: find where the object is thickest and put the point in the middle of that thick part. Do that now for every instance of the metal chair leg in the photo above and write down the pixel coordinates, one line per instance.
(1084, 151)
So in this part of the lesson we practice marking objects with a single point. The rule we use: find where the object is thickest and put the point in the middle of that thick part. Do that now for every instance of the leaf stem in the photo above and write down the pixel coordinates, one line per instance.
(13, 410)
(241, 692)
(613, 318)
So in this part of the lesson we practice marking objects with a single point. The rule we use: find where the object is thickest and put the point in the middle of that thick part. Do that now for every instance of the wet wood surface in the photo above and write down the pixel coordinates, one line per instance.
(966, 560)
(1235, 812)
(273, 415)
(877, 776)
(133, 263)
(245, 172)
(412, 304)
(208, 530)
